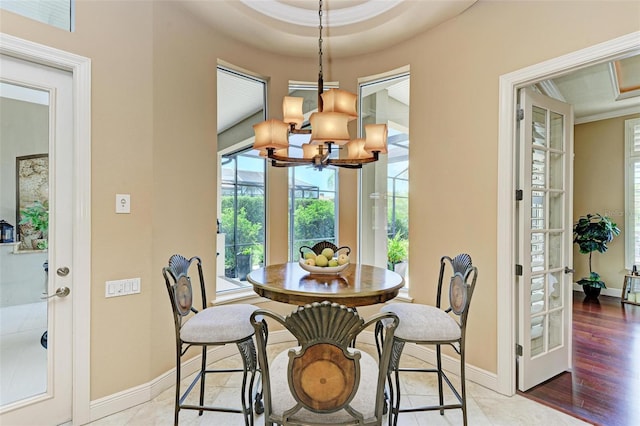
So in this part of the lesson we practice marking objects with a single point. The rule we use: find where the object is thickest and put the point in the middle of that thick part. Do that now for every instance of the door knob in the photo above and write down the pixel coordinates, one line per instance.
(60, 292)
(63, 271)
(568, 270)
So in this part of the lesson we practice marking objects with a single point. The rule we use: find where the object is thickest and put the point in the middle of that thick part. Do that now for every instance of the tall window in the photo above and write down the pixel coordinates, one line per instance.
(241, 217)
(384, 203)
(632, 192)
(313, 208)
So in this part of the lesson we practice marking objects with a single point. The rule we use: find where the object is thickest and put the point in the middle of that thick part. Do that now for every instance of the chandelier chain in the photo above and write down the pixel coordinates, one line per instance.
(320, 40)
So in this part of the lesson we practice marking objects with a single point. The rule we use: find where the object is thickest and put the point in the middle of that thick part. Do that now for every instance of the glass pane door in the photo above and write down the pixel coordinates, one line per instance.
(545, 232)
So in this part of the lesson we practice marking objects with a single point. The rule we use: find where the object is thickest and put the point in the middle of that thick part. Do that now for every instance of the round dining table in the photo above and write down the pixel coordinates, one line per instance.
(357, 285)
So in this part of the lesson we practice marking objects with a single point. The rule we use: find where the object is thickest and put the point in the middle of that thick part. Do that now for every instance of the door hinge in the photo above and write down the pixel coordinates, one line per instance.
(519, 195)
(519, 270)
(519, 350)
(520, 114)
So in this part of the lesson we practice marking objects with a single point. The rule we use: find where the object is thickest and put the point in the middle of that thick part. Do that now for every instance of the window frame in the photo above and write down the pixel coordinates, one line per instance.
(632, 157)
(44, 11)
(363, 83)
(244, 290)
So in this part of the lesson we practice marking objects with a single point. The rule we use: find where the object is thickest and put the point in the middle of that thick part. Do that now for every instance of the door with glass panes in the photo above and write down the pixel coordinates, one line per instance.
(545, 238)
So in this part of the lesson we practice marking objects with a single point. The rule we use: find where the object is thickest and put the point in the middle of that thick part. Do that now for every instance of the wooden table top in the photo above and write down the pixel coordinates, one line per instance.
(357, 285)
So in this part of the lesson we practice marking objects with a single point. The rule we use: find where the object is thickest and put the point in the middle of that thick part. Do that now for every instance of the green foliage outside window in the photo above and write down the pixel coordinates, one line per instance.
(250, 238)
(314, 222)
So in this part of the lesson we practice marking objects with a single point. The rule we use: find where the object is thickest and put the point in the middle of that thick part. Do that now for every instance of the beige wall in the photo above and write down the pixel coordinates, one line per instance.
(599, 188)
(154, 136)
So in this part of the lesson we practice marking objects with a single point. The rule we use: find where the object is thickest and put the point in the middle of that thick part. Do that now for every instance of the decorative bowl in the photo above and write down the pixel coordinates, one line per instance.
(317, 249)
(323, 269)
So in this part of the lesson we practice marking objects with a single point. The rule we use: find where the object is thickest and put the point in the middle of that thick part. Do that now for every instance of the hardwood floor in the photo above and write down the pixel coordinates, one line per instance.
(604, 386)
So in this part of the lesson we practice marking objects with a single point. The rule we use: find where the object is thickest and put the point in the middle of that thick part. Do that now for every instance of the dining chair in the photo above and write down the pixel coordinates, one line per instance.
(433, 325)
(210, 326)
(322, 380)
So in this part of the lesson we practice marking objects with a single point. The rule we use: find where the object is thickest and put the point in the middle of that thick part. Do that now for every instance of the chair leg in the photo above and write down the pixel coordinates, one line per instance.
(396, 408)
(439, 367)
(176, 408)
(463, 387)
(203, 370)
(249, 360)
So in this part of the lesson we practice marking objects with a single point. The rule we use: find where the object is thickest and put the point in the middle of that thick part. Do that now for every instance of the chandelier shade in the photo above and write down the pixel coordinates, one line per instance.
(355, 149)
(329, 128)
(292, 111)
(271, 134)
(376, 140)
(336, 100)
(309, 151)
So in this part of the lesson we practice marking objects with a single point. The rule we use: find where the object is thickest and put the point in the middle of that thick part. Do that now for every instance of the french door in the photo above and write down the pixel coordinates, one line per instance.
(51, 401)
(545, 238)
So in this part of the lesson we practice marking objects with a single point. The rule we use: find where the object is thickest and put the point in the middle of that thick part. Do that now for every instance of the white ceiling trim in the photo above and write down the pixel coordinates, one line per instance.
(296, 15)
(607, 115)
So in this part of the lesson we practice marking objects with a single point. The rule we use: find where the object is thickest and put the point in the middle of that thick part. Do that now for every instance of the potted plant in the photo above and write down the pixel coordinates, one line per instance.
(592, 233)
(243, 263)
(36, 216)
(396, 251)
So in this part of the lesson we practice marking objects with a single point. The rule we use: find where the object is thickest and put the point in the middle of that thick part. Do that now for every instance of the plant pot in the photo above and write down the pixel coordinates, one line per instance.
(243, 263)
(401, 268)
(230, 272)
(591, 292)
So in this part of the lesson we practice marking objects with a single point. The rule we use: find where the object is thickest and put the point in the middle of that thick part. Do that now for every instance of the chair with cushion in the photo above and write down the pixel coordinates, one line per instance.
(213, 326)
(437, 326)
(323, 380)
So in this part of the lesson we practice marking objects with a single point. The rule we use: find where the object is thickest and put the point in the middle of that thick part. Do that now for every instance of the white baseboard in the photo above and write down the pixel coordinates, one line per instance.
(143, 393)
(128, 398)
(449, 364)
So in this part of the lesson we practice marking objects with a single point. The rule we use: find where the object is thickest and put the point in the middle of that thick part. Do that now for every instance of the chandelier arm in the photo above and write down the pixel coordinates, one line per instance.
(300, 131)
(345, 161)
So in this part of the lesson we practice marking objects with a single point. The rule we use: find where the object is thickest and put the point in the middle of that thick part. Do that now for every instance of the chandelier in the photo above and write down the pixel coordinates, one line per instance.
(336, 108)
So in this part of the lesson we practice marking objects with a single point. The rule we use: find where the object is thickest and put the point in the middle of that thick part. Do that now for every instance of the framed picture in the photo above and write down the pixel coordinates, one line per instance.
(32, 197)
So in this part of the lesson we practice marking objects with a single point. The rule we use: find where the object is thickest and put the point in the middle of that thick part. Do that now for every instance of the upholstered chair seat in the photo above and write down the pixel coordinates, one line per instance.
(231, 324)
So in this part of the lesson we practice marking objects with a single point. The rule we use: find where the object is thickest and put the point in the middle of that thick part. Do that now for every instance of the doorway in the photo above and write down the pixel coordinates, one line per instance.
(68, 244)
(506, 248)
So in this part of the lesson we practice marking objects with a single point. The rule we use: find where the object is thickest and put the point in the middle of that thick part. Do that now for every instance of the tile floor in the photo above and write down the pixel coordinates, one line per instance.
(21, 328)
(23, 360)
(485, 407)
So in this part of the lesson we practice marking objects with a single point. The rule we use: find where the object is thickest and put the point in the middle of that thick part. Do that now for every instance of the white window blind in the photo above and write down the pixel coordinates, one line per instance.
(632, 193)
(53, 12)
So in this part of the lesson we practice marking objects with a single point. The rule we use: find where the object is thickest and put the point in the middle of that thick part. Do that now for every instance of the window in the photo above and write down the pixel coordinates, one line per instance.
(632, 192)
(384, 202)
(313, 208)
(58, 13)
(241, 190)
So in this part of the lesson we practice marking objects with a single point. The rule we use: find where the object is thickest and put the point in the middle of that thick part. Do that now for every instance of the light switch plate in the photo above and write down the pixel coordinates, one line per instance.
(122, 287)
(123, 203)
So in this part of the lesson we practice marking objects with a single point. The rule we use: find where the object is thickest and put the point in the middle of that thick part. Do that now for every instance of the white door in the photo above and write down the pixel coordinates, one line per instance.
(52, 403)
(545, 238)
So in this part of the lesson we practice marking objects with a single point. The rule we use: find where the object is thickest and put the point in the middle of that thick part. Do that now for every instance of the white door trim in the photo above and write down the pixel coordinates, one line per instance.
(509, 84)
(80, 67)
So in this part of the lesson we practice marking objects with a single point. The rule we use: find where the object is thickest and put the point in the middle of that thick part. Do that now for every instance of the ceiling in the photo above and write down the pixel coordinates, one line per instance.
(352, 27)
(599, 91)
